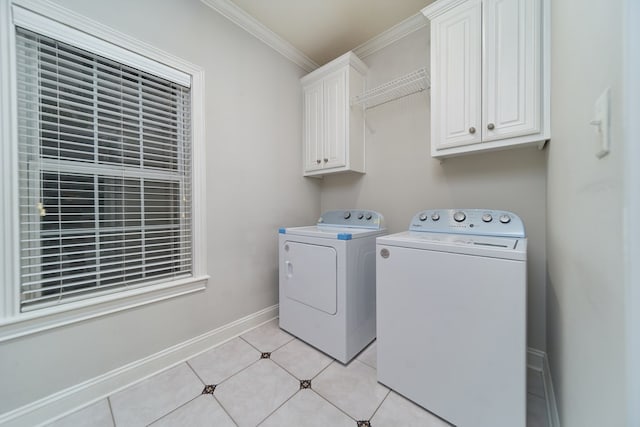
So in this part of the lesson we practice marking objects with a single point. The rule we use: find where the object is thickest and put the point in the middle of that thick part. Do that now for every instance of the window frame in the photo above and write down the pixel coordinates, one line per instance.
(70, 25)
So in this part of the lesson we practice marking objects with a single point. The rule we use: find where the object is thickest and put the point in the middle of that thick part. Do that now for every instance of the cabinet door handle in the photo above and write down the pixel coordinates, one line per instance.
(472, 130)
(326, 160)
(318, 161)
(491, 126)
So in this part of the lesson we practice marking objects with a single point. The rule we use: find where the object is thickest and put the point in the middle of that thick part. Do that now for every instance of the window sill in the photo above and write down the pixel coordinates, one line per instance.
(55, 317)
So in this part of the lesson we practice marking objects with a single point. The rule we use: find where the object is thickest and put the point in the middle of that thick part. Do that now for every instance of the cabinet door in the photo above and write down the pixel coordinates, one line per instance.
(512, 68)
(310, 275)
(456, 75)
(313, 132)
(335, 117)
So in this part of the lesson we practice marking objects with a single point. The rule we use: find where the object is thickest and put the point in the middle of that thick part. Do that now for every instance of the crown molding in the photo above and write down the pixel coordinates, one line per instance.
(347, 59)
(238, 16)
(392, 35)
(440, 7)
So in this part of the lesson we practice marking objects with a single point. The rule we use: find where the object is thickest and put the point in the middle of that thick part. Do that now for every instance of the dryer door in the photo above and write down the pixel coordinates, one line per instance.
(310, 274)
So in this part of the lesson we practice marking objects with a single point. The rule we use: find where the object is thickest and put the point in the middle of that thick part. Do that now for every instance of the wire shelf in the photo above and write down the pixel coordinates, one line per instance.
(409, 84)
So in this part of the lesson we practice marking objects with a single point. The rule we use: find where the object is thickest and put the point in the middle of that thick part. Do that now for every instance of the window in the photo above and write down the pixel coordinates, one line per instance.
(106, 151)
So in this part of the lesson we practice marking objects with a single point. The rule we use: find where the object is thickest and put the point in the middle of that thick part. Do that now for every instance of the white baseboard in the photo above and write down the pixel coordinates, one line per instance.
(537, 360)
(73, 398)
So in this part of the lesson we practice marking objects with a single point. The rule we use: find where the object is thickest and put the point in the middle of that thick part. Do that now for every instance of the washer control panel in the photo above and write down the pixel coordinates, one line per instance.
(479, 222)
(352, 218)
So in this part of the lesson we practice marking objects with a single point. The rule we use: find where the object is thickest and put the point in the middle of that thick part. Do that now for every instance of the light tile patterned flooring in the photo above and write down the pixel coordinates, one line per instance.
(268, 378)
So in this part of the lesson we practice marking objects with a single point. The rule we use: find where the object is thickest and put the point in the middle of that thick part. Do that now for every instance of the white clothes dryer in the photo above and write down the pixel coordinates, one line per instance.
(328, 281)
(452, 311)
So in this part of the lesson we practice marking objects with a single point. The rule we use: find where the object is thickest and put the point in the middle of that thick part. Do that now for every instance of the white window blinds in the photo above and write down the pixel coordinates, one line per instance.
(104, 163)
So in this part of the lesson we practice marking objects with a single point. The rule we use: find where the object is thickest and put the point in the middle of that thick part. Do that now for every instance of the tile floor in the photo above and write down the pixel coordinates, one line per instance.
(268, 378)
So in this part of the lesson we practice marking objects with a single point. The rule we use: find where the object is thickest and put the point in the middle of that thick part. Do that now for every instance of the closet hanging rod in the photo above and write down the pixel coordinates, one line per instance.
(409, 84)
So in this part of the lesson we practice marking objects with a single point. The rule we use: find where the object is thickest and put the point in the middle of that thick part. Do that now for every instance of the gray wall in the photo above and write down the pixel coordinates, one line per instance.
(585, 299)
(402, 178)
(254, 185)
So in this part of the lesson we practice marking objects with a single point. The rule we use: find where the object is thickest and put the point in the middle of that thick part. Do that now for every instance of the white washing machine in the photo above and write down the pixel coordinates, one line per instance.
(328, 281)
(452, 311)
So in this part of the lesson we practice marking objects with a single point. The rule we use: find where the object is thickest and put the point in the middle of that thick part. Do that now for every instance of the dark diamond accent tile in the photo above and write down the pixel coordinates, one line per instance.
(305, 384)
(209, 389)
(364, 423)
(265, 356)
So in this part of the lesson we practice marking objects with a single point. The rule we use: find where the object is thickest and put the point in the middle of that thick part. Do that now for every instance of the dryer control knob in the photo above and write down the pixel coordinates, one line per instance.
(347, 215)
(505, 219)
(435, 216)
(368, 217)
(360, 215)
(423, 217)
(487, 217)
(459, 216)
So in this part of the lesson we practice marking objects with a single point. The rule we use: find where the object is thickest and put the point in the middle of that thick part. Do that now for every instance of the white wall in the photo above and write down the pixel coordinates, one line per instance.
(402, 178)
(585, 298)
(254, 185)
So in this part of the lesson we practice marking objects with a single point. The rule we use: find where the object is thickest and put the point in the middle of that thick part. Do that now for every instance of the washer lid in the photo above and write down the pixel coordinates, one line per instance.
(486, 246)
(336, 233)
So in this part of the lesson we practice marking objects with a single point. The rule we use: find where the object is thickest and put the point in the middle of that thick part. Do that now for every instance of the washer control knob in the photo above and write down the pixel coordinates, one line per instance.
(487, 217)
(435, 216)
(459, 216)
(368, 217)
(360, 215)
(505, 219)
(423, 217)
(347, 215)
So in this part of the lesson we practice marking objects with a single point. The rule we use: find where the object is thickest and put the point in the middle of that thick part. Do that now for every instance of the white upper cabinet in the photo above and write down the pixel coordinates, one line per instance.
(333, 130)
(456, 77)
(336, 119)
(489, 74)
(313, 130)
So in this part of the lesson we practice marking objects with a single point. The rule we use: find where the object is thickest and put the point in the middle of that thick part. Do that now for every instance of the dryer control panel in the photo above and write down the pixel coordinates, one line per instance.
(478, 222)
(352, 218)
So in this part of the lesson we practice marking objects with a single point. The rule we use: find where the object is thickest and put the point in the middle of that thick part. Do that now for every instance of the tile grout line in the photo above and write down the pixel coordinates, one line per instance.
(286, 370)
(204, 384)
(295, 376)
(227, 379)
(388, 389)
(322, 397)
(381, 402)
(236, 373)
(332, 404)
(113, 418)
(311, 388)
(323, 369)
(311, 379)
(185, 403)
(281, 405)
(277, 348)
(233, 375)
(270, 413)
(172, 411)
(196, 374)
(225, 410)
(352, 361)
(290, 397)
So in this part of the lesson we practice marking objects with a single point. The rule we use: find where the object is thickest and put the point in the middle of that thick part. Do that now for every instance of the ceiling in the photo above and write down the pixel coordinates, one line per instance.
(325, 29)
